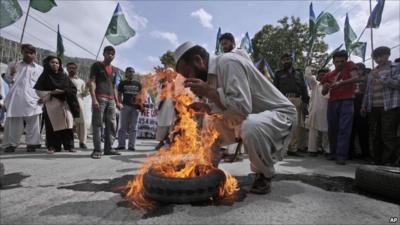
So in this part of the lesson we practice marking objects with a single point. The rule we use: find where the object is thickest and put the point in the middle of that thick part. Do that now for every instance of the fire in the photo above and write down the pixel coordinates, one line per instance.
(189, 155)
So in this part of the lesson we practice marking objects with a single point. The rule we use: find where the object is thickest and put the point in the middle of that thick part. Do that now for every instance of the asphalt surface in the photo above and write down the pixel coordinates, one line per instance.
(72, 188)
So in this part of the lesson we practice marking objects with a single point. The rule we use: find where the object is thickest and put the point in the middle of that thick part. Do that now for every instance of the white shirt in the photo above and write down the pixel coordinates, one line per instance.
(166, 113)
(81, 93)
(80, 85)
(22, 99)
(317, 118)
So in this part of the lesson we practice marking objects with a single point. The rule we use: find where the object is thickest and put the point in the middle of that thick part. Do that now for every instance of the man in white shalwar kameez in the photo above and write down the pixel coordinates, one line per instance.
(22, 102)
(82, 91)
(252, 108)
(317, 120)
(165, 111)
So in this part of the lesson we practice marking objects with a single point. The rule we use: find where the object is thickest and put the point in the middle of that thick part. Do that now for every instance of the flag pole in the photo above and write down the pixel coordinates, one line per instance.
(26, 19)
(98, 52)
(372, 33)
(362, 32)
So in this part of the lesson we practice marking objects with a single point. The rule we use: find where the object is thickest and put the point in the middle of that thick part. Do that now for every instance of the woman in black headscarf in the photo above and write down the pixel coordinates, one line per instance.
(61, 105)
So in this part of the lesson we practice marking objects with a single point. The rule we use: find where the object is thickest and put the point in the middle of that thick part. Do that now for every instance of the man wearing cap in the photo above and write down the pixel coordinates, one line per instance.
(291, 83)
(261, 116)
(382, 102)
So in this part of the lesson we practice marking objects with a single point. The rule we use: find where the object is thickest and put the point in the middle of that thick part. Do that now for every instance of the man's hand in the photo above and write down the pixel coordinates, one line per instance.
(375, 73)
(200, 108)
(95, 104)
(198, 87)
(57, 91)
(141, 108)
(119, 105)
(363, 112)
(13, 70)
(336, 84)
(325, 88)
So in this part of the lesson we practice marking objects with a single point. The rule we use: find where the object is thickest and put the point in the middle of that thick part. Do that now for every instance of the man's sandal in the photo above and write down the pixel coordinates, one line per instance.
(96, 155)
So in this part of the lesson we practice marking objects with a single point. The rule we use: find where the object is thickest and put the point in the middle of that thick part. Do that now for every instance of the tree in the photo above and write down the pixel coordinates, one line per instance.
(167, 59)
(288, 37)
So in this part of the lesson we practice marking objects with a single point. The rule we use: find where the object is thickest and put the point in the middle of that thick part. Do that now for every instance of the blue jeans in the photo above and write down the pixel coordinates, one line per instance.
(106, 113)
(340, 122)
(129, 116)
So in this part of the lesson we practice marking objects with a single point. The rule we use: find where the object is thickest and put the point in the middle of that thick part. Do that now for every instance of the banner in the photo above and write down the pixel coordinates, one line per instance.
(147, 124)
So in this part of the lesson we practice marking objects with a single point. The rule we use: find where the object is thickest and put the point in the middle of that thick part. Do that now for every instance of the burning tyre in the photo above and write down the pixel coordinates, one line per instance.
(183, 190)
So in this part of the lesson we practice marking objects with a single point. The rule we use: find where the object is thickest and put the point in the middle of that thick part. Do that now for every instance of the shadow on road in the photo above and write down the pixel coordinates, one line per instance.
(12, 180)
(112, 207)
(42, 155)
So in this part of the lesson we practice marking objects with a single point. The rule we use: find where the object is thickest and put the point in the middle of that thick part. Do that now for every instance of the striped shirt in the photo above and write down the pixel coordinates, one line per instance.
(377, 97)
(389, 76)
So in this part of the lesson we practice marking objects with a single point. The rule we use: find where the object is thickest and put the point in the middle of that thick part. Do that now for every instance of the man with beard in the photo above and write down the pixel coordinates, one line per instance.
(290, 82)
(82, 91)
(251, 107)
(227, 42)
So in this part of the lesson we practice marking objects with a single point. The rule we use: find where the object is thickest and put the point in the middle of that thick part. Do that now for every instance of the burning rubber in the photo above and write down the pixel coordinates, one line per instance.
(183, 190)
(182, 172)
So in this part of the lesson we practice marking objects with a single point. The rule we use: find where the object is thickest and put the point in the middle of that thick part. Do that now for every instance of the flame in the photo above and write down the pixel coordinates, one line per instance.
(189, 155)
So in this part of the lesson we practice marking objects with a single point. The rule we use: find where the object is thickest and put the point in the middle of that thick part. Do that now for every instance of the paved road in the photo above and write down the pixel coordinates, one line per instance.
(71, 188)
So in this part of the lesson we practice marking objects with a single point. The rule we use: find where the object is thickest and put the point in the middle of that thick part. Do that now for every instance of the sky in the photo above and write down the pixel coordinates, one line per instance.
(163, 25)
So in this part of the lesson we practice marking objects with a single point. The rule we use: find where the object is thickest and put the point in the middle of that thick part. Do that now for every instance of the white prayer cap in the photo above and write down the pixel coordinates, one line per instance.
(182, 49)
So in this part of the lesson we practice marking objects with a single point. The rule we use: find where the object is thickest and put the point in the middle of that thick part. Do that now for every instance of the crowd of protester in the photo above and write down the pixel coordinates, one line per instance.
(346, 113)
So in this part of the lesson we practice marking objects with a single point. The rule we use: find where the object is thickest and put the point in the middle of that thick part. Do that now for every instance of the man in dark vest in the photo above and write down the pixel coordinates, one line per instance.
(291, 83)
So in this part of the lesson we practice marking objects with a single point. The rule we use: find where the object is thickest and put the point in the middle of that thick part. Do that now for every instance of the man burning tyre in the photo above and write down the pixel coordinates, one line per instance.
(252, 108)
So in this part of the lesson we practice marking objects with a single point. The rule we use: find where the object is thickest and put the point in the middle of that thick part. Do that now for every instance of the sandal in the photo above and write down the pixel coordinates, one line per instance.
(96, 155)
(50, 151)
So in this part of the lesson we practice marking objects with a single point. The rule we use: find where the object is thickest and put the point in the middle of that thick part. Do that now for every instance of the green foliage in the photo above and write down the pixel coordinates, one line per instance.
(288, 36)
(167, 59)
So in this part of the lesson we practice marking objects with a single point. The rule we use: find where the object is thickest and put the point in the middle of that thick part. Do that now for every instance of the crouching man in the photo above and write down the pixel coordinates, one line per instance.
(252, 108)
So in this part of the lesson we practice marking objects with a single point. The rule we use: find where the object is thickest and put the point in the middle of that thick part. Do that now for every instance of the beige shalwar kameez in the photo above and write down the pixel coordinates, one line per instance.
(256, 111)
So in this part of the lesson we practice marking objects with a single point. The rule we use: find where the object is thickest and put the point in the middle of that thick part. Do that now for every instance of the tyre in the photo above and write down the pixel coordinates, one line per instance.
(182, 190)
(381, 180)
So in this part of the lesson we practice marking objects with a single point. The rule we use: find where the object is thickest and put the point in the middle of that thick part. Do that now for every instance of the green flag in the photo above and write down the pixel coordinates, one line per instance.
(118, 30)
(42, 5)
(359, 49)
(327, 24)
(218, 49)
(60, 45)
(10, 11)
(349, 35)
(375, 18)
(330, 56)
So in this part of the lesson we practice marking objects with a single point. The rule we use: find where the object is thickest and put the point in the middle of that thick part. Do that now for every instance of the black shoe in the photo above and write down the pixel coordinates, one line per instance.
(330, 157)
(131, 149)
(120, 148)
(112, 152)
(82, 146)
(341, 162)
(294, 154)
(10, 149)
(30, 148)
(303, 150)
(313, 154)
(261, 185)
